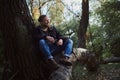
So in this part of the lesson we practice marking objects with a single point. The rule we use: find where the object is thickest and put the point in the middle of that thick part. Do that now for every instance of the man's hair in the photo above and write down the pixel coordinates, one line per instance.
(41, 18)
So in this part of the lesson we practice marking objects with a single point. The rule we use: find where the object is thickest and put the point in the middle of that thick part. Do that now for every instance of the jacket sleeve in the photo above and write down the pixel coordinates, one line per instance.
(58, 35)
(38, 34)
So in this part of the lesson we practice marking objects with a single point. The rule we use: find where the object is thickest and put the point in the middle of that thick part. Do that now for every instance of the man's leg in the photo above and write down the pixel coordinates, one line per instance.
(68, 46)
(45, 49)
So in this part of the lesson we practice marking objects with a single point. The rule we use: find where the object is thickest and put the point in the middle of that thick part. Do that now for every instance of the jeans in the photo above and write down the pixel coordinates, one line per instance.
(49, 49)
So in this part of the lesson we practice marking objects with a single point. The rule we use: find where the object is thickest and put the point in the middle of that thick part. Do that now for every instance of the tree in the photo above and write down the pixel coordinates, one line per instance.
(83, 24)
(16, 27)
(109, 15)
(105, 34)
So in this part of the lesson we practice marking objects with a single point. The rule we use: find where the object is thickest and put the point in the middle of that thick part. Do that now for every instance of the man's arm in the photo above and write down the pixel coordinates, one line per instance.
(59, 36)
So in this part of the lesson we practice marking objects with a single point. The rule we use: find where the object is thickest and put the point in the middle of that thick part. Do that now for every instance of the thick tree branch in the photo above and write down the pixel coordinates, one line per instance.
(40, 6)
(81, 55)
(111, 60)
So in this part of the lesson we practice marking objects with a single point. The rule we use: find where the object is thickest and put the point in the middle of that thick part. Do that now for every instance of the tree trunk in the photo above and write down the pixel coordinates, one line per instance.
(83, 24)
(16, 27)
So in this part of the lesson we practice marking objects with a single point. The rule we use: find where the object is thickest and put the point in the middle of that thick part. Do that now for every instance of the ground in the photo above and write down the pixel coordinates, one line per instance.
(109, 71)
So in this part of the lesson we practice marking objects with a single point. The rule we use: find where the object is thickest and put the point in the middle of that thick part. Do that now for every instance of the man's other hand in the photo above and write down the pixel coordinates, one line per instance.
(51, 39)
(60, 42)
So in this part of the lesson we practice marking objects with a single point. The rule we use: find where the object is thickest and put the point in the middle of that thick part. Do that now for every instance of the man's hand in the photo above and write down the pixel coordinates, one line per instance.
(60, 42)
(51, 39)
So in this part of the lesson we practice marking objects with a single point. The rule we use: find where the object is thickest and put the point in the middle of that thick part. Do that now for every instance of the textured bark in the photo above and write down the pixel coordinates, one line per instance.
(86, 58)
(83, 24)
(16, 27)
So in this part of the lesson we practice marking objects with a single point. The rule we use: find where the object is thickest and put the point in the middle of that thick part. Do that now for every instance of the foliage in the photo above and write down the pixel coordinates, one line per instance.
(110, 17)
(56, 11)
(105, 72)
(97, 42)
(106, 36)
(53, 8)
(69, 29)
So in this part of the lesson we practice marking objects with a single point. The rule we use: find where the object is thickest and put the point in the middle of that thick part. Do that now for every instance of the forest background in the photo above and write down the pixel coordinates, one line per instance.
(103, 30)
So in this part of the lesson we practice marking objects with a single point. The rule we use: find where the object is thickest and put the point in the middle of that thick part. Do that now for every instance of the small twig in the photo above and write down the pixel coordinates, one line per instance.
(11, 78)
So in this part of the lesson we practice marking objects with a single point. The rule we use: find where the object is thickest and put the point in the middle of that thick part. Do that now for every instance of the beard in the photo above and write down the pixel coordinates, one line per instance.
(47, 25)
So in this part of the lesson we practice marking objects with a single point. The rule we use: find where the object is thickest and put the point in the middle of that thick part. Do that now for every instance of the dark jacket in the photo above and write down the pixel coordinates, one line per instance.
(40, 34)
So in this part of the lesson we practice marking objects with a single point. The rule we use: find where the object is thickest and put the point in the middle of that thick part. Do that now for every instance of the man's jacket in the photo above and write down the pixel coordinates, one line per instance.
(40, 34)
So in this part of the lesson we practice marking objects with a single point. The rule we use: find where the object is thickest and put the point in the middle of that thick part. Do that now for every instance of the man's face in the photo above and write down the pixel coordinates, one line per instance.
(45, 22)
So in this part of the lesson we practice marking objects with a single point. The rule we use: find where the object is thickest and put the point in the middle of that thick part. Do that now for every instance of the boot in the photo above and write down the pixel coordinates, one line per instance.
(65, 61)
(52, 64)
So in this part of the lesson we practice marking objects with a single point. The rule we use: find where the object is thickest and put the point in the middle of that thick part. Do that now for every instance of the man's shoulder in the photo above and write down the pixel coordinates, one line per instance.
(38, 27)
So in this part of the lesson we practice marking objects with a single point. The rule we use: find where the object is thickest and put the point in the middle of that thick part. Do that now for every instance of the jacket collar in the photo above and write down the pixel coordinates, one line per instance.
(50, 28)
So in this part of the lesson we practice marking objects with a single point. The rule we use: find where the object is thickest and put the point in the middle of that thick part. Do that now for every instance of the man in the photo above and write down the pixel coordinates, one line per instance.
(51, 42)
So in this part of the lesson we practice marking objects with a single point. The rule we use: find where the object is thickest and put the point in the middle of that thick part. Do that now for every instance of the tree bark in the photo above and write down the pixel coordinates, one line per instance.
(16, 27)
(83, 24)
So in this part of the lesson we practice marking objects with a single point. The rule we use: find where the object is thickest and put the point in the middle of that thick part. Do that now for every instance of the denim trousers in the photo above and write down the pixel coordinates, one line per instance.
(49, 49)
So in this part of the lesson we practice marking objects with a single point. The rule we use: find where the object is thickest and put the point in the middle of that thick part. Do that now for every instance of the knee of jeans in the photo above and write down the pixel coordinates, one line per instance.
(42, 41)
(70, 41)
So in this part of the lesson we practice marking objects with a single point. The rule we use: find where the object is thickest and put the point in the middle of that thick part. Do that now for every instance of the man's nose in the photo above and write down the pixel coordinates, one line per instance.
(48, 21)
